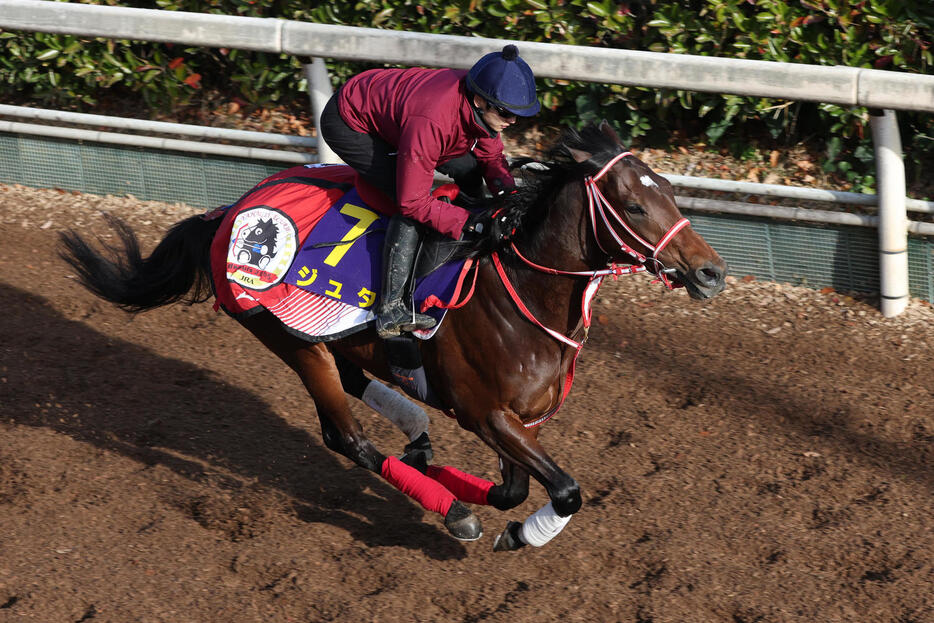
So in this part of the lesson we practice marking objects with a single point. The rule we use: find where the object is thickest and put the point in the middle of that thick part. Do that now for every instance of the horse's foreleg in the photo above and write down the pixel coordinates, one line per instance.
(506, 434)
(513, 491)
(538, 529)
(476, 490)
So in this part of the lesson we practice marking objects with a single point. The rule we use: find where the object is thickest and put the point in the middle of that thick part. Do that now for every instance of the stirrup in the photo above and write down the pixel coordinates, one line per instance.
(398, 318)
(419, 322)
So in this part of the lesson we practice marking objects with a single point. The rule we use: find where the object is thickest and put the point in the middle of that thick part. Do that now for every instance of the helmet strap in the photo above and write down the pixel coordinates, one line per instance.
(478, 113)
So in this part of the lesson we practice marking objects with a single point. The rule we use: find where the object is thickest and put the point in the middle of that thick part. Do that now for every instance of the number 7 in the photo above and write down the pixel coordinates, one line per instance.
(364, 218)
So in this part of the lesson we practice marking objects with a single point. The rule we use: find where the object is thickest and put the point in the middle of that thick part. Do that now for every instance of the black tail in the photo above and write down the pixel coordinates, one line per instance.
(178, 269)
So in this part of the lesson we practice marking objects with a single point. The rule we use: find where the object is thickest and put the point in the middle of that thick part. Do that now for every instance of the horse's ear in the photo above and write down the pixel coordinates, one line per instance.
(579, 155)
(607, 129)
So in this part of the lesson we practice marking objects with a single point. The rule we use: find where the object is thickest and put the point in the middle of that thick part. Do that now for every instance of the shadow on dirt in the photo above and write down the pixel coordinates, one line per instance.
(65, 376)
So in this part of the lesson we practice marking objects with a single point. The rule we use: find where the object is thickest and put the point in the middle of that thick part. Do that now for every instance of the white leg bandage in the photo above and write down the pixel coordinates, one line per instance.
(542, 526)
(408, 416)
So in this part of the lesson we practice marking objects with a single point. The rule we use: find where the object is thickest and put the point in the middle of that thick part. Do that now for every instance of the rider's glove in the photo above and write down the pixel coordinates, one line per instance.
(477, 224)
(496, 226)
(501, 188)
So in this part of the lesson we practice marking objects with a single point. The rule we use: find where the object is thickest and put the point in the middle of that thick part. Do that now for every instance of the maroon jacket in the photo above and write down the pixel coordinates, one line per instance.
(425, 113)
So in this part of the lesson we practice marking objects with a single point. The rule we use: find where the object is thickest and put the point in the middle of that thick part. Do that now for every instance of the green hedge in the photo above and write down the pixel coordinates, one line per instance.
(71, 72)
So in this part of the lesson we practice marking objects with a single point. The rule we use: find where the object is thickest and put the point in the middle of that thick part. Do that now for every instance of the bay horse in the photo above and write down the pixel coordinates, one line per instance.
(503, 362)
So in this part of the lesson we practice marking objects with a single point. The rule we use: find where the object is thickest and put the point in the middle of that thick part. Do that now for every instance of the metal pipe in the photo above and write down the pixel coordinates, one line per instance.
(319, 91)
(133, 140)
(789, 192)
(691, 203)
(316, 74)
(893, 236)
(793, 214)
(157, 127)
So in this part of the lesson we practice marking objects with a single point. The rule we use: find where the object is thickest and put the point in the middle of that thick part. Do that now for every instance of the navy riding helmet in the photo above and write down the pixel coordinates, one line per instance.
(505, 80)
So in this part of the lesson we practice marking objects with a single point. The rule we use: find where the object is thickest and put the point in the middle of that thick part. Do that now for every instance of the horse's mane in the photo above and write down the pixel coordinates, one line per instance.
(591, 139)
(527, 208)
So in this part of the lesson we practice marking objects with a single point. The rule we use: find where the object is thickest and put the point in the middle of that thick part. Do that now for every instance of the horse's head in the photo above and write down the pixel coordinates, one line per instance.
(634, 215)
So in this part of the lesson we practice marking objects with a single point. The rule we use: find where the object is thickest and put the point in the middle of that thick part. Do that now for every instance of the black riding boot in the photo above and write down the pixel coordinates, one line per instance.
(394, 315)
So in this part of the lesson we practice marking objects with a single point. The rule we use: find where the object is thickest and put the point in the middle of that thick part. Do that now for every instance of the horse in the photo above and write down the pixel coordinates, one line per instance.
(503, 361)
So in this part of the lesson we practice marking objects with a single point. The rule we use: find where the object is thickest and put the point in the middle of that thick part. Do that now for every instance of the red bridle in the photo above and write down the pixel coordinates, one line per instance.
(597, 204)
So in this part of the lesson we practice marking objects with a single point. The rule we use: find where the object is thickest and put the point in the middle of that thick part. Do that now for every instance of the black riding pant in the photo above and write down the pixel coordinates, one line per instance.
(375, 159)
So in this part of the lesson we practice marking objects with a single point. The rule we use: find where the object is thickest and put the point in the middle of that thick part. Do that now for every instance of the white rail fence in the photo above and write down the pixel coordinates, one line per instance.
(884, 91)
(61, 118)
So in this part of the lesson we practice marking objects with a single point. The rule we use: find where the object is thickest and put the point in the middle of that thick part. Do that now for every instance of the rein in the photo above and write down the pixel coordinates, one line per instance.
(597, 203)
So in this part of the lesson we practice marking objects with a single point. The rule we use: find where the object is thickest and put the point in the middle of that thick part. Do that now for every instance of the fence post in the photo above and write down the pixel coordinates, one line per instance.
(319, 91)
(893, 220)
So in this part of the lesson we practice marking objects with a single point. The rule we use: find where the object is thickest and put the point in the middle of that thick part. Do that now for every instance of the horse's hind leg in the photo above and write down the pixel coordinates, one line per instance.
(405, 414)
(315, 365)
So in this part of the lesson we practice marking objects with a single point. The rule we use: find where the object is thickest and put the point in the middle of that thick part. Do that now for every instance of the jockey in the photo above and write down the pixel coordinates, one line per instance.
(395, 127)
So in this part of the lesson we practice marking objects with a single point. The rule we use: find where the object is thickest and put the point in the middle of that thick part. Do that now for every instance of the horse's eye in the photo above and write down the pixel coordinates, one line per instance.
(634, 208)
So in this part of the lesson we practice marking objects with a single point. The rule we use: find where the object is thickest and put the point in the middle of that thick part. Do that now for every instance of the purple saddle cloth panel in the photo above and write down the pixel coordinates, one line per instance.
(351, 270)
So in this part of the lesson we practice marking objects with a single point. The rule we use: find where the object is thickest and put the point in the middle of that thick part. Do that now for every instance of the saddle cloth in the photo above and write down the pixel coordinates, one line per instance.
(303, 245)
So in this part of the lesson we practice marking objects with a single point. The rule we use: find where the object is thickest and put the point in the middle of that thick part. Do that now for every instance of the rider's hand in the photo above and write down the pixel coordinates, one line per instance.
(478, 224)
(500, 188)
(495, 226)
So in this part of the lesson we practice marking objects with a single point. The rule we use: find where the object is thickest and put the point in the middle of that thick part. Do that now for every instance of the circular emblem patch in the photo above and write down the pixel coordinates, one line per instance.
(262, 245)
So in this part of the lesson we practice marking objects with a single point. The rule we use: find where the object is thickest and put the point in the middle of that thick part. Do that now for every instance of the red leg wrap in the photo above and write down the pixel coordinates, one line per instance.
(430, 494)
(467, 487)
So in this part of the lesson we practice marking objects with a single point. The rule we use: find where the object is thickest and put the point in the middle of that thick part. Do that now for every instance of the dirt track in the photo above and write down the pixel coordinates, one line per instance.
(766, 457)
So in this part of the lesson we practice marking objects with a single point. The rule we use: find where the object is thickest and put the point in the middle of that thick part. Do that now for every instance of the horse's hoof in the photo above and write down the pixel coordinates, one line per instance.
(509, 540)
(462, 523)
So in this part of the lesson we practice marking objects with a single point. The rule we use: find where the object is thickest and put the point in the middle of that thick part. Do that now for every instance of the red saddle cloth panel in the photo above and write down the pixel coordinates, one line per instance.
(305, 193)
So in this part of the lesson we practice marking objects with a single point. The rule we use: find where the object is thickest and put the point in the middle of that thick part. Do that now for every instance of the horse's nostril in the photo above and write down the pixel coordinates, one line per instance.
(709, 275)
